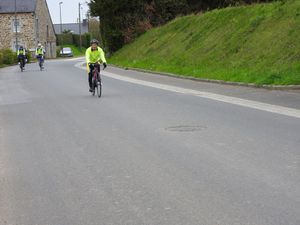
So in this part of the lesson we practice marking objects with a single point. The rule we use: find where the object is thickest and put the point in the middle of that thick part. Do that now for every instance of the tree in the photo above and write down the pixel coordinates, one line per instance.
(116, 18)
(94, 28)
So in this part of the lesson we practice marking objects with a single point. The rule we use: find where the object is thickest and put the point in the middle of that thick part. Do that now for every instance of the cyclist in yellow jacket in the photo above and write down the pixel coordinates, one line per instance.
(21, 53)
(39, 53)
(94, 54)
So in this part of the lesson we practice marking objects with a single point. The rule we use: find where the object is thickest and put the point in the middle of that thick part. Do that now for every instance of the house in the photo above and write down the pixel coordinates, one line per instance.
(72, 27)
(27, 23)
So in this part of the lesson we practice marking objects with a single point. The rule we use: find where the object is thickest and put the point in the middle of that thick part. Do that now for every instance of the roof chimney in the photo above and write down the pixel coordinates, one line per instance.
(84, 22)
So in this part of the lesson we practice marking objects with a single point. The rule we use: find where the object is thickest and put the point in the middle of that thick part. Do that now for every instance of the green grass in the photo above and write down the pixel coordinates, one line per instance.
(252, 44)
(75, 49)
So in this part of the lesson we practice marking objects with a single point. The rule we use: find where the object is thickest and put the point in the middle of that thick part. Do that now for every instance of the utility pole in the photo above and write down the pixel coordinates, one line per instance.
(61, 31)
(88, 20)
(80, 39)
(16, 25)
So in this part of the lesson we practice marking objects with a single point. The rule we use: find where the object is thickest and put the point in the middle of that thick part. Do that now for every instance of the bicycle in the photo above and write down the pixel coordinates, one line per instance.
(41, 62)
(96, 80)
(22, 64)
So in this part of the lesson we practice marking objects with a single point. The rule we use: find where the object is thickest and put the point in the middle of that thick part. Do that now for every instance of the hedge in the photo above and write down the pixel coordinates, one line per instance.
(28, 56)
(66, 39)
(8, 57)
(1, 58)
(85, 40)
(73, 39)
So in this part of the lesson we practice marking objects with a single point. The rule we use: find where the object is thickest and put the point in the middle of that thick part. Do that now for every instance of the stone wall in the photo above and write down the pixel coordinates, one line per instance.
(45, 30)
(26, 36)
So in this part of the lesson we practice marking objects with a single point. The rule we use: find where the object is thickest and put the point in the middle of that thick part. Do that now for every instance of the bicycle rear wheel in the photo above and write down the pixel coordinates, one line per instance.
(41, 63)
(21, 65)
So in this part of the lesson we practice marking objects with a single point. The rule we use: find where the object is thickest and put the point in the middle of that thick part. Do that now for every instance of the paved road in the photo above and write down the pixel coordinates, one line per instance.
(142, 155)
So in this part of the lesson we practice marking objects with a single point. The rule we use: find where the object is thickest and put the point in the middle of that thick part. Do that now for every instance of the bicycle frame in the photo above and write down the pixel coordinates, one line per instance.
(22, 64)
(96, 80)
(95, 72)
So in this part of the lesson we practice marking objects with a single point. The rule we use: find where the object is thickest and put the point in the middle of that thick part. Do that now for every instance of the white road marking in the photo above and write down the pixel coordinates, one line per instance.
(74, 59)
(67, 60)
(217, 97)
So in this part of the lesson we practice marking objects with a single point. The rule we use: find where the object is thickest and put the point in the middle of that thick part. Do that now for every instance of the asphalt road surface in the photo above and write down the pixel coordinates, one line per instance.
(152, 151)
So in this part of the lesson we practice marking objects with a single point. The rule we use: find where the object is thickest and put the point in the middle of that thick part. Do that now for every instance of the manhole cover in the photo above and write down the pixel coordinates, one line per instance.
(185, 128)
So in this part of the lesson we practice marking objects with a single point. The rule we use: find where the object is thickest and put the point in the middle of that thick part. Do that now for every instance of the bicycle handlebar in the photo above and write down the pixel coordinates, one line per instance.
(93, 64)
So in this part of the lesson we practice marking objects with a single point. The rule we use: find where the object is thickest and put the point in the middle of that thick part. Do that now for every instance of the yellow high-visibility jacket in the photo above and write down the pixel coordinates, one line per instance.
(39, 51)
(95, 56)
(21, 52)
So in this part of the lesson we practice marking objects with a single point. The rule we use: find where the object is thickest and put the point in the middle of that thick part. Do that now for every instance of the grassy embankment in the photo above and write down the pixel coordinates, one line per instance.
(252, 44)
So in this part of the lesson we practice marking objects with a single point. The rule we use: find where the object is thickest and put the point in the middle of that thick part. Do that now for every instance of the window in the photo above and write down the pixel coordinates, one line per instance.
(47, 31)
(16, 25)
(37, 28)
(16, 46)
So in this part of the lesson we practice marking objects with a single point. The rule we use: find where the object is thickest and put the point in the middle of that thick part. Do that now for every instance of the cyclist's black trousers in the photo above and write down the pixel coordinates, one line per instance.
(91, 74)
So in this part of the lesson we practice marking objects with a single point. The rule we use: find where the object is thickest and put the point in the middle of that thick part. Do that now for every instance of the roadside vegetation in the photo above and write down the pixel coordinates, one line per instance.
(122, 21)
(252, 44)
(8, 57)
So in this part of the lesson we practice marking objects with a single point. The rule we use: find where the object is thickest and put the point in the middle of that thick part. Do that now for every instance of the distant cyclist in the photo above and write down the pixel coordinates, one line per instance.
(21, 53)
(39, 53)
(94, 54)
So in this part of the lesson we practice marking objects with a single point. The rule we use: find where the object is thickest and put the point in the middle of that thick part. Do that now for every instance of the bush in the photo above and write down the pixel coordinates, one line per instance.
(28, 56)
(9, 57)
(65, 39)
(73, 39)
(76, 39)
(1, 58)
(58, 51)
(85, 40)
(88, 38)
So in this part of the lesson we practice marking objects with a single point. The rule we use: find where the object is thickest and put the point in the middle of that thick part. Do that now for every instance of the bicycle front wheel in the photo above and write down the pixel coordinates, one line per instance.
(94, 87)
(99, 89)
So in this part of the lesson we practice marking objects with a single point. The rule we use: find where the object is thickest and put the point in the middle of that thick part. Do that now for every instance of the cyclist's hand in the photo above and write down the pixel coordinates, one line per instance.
(105, 65)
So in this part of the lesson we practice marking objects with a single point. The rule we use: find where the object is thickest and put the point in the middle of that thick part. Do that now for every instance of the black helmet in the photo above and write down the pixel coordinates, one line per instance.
(94, 41)
(21, 47)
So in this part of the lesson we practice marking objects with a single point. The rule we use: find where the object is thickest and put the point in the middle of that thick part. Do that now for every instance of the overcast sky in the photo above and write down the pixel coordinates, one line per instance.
(69, 10)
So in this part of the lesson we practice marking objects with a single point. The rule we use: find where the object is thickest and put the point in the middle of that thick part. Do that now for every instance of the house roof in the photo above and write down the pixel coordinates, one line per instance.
(73, 27)
(23, 6)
